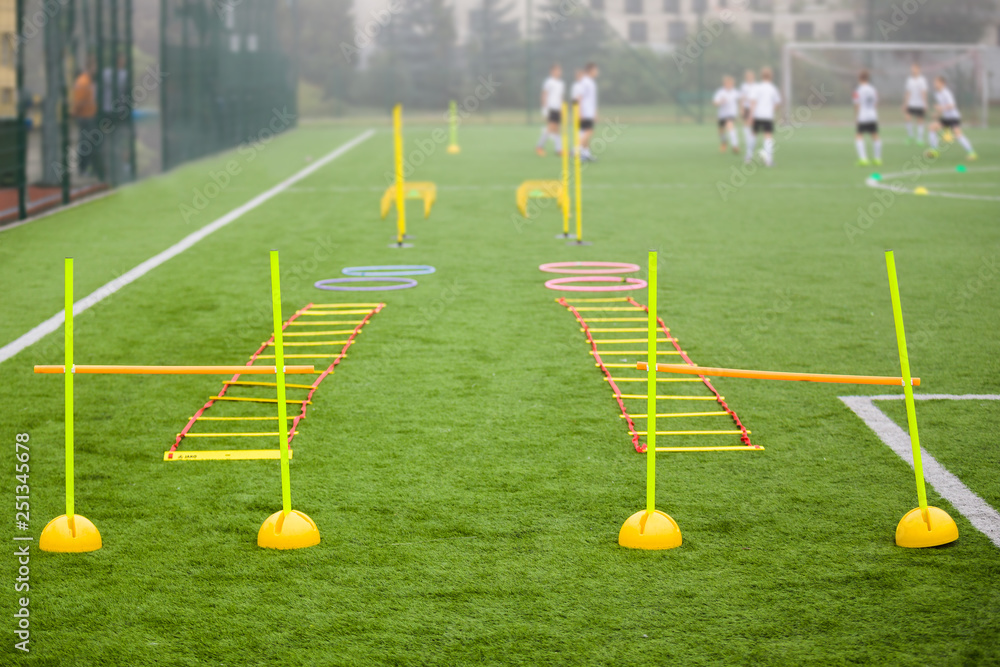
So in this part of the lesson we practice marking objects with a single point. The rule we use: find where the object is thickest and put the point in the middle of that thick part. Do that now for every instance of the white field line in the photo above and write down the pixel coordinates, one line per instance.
(106, 290)
(981, 515)
(908, 189)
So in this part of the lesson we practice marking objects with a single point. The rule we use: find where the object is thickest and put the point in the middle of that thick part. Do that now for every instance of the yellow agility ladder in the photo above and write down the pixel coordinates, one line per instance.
(614, 329)
(322, 332)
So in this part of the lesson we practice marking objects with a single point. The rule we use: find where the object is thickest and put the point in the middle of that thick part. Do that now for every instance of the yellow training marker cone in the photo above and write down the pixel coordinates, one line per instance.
(294, 530)
(64, 536)
(650, 528)
(286, 529)
(916, 532)
(924, 526)
(70, 532)
(920, 191)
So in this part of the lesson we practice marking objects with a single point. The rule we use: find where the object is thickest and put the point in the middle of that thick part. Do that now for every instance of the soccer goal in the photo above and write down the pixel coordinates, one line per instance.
(818, 77)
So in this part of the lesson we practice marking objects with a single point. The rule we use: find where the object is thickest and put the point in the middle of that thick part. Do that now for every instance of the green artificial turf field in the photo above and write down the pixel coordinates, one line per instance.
(466, 465)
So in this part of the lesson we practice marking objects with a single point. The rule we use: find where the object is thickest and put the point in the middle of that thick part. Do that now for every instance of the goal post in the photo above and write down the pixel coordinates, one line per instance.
(889, 62)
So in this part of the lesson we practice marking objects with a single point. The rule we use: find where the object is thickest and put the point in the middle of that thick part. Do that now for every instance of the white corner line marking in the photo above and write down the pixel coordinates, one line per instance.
(980, 514)
(53, 323)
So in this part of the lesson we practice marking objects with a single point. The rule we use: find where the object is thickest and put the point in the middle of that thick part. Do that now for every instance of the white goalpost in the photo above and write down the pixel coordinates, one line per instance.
(890, 59)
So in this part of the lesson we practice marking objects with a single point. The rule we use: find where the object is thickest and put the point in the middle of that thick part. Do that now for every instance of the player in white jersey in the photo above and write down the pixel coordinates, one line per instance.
(948, 118)
(765, 101)
(866, 108)
(915, 105)
(552, 99)
(727, 99)
(586, 97)
(746, 93)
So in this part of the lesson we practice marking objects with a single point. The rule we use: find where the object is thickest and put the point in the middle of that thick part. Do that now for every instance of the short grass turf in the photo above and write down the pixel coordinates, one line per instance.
(466, 464)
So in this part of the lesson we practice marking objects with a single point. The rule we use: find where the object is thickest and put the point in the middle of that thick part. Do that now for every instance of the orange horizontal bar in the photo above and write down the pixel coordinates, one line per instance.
(777, 375)
(176, 370)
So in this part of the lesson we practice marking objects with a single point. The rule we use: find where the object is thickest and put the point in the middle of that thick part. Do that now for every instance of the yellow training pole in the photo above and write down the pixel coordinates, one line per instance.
(453, 147)
(69, 533)
(397, 133)
(279, 366)
(576, 173)
(287, 529)
(651, 390)
(68, 384)
(925, 526)
(565, 170)
(649, 528)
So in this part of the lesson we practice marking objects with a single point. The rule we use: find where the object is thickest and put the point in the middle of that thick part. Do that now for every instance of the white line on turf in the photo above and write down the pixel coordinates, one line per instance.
(106, 290)
(909, 190)
(979, 513)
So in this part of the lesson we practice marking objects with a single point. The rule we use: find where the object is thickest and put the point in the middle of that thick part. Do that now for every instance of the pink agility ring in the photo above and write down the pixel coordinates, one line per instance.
(581, 267)
(624, 284)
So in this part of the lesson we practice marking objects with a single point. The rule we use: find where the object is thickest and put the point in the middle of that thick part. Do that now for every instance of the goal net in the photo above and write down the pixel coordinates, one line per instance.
(818, 79)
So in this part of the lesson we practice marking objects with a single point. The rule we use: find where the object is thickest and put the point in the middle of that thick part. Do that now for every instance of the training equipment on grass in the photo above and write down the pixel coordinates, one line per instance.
(649, 528)
(389, 270)
(340, 284)
(453, 148)
(778, 375)
(323, 331)
(72, 533)
(621, 284)
(69, 533)
(287, 528)
(537, 189)
(925, 526)
(550, 189)
(611, 326)
(400, 190)
(588, 268)
(577, 178)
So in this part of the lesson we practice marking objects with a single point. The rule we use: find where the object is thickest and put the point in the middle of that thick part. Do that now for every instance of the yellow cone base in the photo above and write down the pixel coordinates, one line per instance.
(453, 149)
(294, 531)
(645, 530)
(914, 533)
(59, 537)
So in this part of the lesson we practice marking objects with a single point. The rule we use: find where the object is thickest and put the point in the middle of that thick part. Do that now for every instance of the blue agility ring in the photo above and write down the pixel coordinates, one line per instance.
(389, 271)
(333, 284)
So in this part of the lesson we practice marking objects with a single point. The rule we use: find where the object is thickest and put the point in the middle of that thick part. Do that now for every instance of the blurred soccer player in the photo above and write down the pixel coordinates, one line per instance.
(948, 118)
(765, 100)
(552, 99)
(866, 109)
(915, 106)
(746, 92)
(586, 97)
(727, 99)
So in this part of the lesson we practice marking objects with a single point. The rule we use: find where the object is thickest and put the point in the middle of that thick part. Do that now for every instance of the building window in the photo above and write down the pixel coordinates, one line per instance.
(699, 6)
(804, 30)
(638, 32)
(597, 5)
(723, 4)
(843, 31)
(672, 6)
(762, 5)
(7, 49)
(762, 29)
(633, 6)
(677, 32)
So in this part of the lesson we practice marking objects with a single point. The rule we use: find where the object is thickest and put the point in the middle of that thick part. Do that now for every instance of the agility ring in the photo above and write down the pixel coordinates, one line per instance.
(582, 267)
(388, 271)
(624, 284)
(338, 284)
